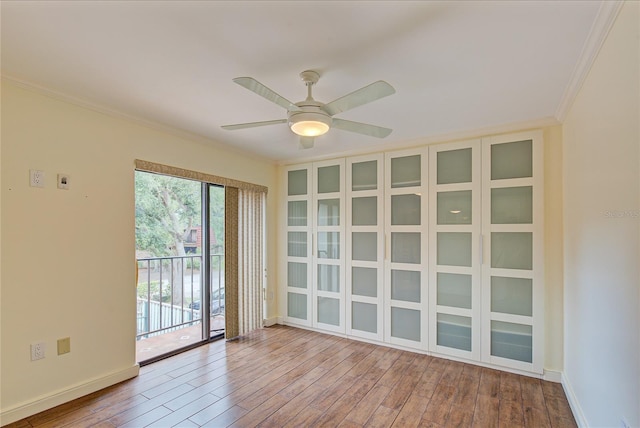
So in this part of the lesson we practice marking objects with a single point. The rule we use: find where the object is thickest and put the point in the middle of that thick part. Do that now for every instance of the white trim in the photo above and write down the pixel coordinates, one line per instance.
(578, 414)
(268, 322)
(62, 396)
(554, 376)
(597, 35)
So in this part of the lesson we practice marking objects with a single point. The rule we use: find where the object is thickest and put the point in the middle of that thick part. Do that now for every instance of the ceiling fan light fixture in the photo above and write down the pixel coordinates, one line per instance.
(309, 124)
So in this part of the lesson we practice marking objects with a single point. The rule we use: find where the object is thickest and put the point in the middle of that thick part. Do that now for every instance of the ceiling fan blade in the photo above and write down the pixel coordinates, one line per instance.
(254, 86)
(361, 128)
(253, 124)
(372, 92)
(306, 142)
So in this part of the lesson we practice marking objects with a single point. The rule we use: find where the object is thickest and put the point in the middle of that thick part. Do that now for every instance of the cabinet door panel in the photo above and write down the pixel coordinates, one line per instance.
(405, 285)
(454, 331)
(364, 317)
(364, 211)
(454, 248)
(297, 182)
(297, 275)
(512, 205)
(297, 305)
(406, 247)
(297, 211)
(454, 290)
(405, 324)
(512, 160)
(512, 295)
(454, 207)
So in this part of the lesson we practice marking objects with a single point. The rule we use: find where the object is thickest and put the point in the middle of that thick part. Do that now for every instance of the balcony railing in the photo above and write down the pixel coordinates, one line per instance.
(169, 292)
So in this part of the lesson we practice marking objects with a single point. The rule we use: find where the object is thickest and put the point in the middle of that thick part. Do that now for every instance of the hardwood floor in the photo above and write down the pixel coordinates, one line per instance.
(287, 377)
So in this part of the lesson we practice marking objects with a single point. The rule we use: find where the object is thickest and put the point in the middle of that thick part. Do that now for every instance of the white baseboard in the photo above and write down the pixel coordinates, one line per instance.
(268, 322)
(578, 414)
(552, 376)
(43, 403)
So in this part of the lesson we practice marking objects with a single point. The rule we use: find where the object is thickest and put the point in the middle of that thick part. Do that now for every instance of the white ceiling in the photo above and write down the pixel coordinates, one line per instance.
(457, 67)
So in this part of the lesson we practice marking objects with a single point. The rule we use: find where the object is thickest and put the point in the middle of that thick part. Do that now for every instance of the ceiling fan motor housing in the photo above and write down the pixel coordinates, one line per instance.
(311, 112)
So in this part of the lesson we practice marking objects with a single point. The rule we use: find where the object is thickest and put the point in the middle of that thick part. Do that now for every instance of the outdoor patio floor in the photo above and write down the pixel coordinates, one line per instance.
(155, 346)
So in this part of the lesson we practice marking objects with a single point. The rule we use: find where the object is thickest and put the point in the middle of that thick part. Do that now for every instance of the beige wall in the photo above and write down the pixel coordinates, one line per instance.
(68, 256)
(601, 165)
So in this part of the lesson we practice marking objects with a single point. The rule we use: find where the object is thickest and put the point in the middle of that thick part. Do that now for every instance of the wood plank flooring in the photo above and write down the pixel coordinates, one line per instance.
(287, 377)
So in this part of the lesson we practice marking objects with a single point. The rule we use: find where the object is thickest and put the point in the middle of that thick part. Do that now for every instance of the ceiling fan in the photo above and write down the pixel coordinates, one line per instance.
(310, 118)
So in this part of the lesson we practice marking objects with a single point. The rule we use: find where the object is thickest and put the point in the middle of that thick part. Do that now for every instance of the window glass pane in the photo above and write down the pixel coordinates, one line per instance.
(364, 281)
(365, 246)
(512, 250)
(297, 182)
(454, 248)
(328, 245)
(329, 278)
(297, 305)
(513, 341)
(297, 244)
(405, 210)
(328, 310)
(512, 160)
(329, 212)
(405, 285)
(405, 247)
(405, 323)
(364, 317)
(512, 295)
(364, 211)
(454, 207)
(454, 331)
(364, 175)
(454, 290)
(297, 213)
(454, 166)
(405, 171)
(297, 275)
(512, 205)
(329, 179)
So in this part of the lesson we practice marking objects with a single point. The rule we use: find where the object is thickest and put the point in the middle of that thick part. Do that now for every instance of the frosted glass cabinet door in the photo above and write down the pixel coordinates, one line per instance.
(513, 313)
(406, 233)
(454, 236)
(328, 294)
(297, 263)
(365, 246)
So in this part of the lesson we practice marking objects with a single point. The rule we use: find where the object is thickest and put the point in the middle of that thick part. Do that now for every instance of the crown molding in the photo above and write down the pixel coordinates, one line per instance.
(157, 126)
(597, 35)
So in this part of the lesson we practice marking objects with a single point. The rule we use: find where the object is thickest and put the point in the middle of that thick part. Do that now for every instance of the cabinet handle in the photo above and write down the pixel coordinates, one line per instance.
(313, 244)
(481, 250)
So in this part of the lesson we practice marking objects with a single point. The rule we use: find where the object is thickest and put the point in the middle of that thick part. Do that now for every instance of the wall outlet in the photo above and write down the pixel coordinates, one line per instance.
(64, 181)
(64, 346)
(36, 178)
(37, 351)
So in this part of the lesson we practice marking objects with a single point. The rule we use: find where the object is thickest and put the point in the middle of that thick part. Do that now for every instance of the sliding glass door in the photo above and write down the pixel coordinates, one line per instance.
(179, 247)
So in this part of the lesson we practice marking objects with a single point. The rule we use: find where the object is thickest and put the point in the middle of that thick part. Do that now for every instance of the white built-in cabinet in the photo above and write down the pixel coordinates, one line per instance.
(438, 249)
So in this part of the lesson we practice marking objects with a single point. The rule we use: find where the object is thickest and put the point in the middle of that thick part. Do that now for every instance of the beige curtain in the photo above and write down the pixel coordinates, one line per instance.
(244, 260)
